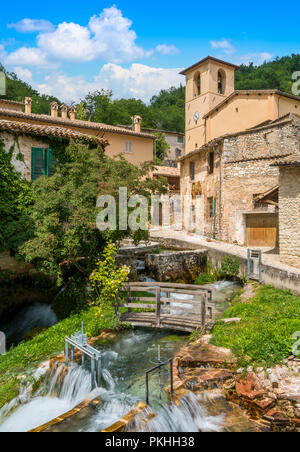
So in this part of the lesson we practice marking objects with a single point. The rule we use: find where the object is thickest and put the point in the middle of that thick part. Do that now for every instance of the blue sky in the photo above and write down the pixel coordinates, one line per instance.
(69, 48)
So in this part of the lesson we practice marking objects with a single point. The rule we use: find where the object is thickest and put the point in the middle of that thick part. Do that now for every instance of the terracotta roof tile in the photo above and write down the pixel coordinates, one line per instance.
(68, 134)
(11, 102)
(77, 123)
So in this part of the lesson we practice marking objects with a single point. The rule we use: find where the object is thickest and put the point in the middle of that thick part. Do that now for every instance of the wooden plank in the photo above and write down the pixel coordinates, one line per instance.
(158, 307)
(176, 300)
(186, 292)
(151, 299)
(180, 309)
(169, 285)
(137, 306)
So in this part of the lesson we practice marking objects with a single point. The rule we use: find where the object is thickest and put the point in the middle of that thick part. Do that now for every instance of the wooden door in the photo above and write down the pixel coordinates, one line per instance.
(262, 230)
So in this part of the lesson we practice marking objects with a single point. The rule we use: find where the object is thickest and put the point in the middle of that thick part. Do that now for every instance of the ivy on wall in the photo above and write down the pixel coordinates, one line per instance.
(17, 194)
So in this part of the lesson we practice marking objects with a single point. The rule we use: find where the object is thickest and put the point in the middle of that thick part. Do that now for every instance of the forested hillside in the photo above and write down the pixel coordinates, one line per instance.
(17, 90)
(166, 110)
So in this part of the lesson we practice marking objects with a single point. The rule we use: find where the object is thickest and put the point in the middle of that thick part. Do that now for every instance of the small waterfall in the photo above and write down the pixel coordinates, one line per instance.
(58, 395)
(188, 416)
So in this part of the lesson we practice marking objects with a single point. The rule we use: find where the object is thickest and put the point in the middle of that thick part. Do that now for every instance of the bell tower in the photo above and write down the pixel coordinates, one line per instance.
(208, 83)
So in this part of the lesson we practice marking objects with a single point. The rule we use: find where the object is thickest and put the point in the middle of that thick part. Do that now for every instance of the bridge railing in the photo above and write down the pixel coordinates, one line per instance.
(161, 298)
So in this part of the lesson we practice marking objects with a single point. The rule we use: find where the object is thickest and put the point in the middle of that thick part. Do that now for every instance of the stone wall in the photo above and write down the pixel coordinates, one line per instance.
(21, 158)
(173, 266)
(281, 279)
(244, 170)
(289, 216)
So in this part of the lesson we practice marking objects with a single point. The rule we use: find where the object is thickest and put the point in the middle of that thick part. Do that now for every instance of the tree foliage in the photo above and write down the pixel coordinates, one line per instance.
(66, 240)
(161, 148)
(108, 278)
(15, 201)
(17, 90)
(166, 110)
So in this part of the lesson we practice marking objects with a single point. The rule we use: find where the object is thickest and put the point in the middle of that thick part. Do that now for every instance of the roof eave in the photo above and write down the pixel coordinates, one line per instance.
(190, 68)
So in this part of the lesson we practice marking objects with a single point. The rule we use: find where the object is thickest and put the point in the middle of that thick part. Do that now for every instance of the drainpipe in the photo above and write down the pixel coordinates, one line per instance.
(220, 193)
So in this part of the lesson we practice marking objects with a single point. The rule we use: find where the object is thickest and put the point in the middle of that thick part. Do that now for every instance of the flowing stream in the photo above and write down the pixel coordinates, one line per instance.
(125, 358)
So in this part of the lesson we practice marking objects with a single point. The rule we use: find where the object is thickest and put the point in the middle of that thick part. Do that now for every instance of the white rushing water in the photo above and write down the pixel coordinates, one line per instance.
(124, 362)
(60, 398)
(189, 416)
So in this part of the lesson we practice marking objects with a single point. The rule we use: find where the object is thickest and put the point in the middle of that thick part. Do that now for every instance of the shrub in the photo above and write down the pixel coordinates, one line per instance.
(108, 278)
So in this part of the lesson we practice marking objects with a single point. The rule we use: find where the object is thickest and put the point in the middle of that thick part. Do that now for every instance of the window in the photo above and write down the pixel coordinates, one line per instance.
(221, 81)
(211, 162)
(197, 84)
(210, 207)
(178, 153)
(192, 170)
(179, 139)
(42, 163)
(128, 147)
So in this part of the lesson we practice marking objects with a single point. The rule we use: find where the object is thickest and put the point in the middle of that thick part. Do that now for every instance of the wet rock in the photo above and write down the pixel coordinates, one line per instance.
(249, 387)
(203, 379)
(206, 355)
(265, 403)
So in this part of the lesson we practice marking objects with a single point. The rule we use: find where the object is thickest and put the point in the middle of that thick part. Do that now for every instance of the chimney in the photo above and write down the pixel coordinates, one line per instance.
(54, 109)
(64, 111)
(137, 124)
(72, 112)
(28, 102)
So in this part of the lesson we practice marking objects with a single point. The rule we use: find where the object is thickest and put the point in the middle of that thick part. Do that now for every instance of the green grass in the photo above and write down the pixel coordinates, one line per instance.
(205, 278)
(29, 354)
(264, 336)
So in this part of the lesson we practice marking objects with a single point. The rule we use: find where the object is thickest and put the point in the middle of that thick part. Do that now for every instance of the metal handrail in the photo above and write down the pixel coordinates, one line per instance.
(159, 366)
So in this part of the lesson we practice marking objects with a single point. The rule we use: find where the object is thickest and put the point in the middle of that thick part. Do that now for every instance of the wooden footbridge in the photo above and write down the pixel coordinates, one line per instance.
(180, 307)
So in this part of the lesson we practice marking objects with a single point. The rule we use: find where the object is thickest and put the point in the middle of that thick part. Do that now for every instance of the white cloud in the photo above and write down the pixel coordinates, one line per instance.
(69, 41)
(223, 44)
(32, 26)
(256, 58)
(167, 50)
(107, 36)
(139, 81)
(112, 30)
(27, 56)
(23, 73)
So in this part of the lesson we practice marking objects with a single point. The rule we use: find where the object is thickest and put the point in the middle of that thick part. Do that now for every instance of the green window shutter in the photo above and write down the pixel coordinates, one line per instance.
(37, 163)
(50, 163)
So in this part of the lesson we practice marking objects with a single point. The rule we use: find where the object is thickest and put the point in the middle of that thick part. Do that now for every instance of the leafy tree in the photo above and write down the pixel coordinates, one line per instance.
(17, 90)
(107, 279)
(161, 148)
(81, 112)
(15, 201)
(66, 241)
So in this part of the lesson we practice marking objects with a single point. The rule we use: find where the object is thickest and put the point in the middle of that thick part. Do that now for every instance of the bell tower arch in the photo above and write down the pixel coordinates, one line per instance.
(208, 83)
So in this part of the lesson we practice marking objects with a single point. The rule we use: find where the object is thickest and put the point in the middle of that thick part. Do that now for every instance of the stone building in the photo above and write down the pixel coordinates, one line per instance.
(234, 184)
(289, 208)
(232, 139)
(136, 146)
